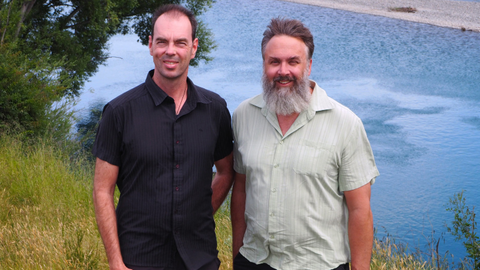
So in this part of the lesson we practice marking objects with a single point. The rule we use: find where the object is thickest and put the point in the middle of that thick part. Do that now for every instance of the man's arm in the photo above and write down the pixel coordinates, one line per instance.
(222, 182)
(103, 191)
(237, 213)
(360, 226)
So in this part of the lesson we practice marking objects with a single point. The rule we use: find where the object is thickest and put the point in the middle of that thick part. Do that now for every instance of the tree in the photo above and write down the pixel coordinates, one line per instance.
(59, 44)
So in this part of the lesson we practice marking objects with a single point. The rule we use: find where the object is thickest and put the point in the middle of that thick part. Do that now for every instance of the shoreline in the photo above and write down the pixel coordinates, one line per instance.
(444, 13)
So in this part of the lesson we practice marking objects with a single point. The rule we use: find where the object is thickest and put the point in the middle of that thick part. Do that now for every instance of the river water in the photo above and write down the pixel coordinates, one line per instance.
(415, 86)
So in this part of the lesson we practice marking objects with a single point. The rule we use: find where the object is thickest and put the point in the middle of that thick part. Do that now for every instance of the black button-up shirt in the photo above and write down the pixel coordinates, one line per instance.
(165, 172)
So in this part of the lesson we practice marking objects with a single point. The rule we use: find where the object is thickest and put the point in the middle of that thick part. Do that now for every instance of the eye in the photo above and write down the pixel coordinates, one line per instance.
(182, 43)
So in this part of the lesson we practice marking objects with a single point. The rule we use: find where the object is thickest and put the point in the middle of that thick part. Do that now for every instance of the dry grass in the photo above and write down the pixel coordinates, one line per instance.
(387, 255)
(223, 230)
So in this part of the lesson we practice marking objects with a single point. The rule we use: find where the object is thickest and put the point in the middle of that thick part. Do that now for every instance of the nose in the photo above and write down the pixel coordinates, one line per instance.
(283, 69)
(170, 50)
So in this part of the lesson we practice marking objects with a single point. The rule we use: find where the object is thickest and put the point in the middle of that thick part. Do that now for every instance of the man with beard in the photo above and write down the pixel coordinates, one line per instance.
(301, 195)
(158, 143)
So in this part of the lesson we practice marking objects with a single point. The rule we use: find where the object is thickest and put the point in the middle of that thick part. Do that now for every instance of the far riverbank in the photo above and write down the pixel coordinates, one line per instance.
(462, 15)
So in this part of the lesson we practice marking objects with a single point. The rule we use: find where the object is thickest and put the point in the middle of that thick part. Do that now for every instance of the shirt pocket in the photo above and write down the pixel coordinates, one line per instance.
(314, 158)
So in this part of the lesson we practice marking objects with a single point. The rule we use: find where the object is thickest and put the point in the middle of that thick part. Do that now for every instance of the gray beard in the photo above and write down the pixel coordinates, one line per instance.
(287, 100)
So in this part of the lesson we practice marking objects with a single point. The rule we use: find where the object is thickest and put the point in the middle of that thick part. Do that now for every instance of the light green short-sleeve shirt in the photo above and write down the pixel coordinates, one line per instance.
(295, 209)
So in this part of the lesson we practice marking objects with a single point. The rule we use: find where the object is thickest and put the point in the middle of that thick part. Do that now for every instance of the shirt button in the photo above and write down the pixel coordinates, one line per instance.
(177, 166)
(275, 166)
(281, 142)
(271, 236)
(177, 142)
(274, 190)
(271, 214)
(176, 188)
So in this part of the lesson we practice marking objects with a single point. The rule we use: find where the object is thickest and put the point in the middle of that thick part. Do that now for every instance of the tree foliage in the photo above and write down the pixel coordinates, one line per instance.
(464, 227)
(28, 89)
(49, 48)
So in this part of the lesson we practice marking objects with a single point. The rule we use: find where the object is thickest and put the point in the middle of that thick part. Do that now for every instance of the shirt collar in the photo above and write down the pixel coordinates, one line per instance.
(159, 96)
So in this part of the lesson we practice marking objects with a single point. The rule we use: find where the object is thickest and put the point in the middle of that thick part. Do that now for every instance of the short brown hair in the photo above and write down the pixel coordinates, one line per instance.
(176, 9)
(288, 27)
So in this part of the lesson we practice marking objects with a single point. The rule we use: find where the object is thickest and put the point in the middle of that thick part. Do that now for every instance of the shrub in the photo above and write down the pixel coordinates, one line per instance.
(464, 227)
(29, 88)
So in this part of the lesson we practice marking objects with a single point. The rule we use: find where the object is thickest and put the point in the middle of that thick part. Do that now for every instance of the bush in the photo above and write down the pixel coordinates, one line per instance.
(464, 227)
(28, 91)
(87, 127)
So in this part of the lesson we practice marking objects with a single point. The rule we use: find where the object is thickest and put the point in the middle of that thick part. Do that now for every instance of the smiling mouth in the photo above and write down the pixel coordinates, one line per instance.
(283, 80)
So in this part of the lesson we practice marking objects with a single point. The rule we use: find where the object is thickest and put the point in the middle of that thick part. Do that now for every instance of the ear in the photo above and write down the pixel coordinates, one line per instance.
(150, 43)
(310, 66)
(194, 48)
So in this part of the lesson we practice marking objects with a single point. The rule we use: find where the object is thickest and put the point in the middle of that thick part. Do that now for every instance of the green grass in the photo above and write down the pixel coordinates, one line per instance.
(47, 219)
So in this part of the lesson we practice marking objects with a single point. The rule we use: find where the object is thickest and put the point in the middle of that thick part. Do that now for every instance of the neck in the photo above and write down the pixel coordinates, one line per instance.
(286, 121)
(174, 88)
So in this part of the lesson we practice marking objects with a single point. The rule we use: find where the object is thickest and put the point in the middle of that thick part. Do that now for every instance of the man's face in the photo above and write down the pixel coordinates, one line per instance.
(285, 80)
(172, 46)
(285, 60)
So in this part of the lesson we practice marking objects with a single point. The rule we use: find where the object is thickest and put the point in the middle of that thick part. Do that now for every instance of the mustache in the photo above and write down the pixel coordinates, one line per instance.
(284, 78)
(170, 58)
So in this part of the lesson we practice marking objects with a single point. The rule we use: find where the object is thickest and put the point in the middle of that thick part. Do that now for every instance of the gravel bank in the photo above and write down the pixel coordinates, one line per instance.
(446, 13)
